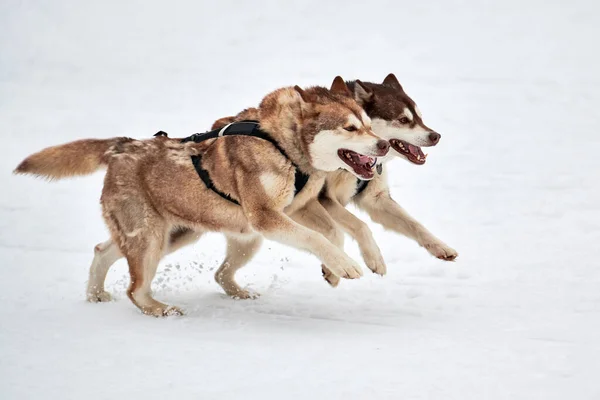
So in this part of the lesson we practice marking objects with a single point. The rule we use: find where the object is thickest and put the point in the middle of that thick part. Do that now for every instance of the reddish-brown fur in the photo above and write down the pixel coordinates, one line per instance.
(383, 101)
(76, 158)
(153, 199)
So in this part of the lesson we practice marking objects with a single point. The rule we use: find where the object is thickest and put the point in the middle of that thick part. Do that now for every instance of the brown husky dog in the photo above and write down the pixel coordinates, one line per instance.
(396, 118)
(152, 193)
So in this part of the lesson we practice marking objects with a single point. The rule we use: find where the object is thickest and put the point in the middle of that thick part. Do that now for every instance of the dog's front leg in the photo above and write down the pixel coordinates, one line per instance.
(277, 226)
(385, 211)
(315, 217)
(359, 232)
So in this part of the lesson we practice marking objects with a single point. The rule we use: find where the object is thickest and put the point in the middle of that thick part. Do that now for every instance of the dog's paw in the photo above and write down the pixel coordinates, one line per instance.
(99, 297)
(172, 311)
(243, 294)
(347, 270)
(441, 251)
(166, 311)
(376, 264)
(330, 277)
(233, 290)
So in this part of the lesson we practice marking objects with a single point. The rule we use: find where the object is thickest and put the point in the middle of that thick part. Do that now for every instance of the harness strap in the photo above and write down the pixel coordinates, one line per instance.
(203, 174)
(300, 180)
(360, 186)
(244, 128)
(237, 128)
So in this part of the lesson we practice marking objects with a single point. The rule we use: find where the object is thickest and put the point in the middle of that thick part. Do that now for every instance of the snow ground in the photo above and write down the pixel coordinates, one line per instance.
(513, 87)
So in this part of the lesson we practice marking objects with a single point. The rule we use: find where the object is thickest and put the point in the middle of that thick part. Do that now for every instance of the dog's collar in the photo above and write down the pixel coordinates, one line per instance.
(242, 128)
(362, 185)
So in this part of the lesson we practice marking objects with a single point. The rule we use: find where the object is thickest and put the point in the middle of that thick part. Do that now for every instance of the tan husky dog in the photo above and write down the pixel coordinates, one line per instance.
(152, 193)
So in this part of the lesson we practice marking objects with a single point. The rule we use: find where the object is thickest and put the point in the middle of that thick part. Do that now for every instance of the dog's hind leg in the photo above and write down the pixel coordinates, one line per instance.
(240, 249)
(143, 256)
(142, 236)
(107, 253)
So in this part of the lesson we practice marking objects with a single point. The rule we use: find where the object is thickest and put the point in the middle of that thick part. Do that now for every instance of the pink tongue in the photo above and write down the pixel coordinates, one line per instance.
(413, 150)
(364, 159)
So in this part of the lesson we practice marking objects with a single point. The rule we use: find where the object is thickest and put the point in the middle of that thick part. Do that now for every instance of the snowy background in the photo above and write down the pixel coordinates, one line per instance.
(514, 88)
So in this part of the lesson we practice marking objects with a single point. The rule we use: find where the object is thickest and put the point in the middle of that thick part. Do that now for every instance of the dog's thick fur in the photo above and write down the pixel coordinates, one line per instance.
(153, 201)
(395, 117)
(387, 104)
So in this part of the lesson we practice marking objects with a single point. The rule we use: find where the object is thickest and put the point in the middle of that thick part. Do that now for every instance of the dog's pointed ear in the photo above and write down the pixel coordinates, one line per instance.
(392, 81)
(362, 94)
(306, 105)
(339, 87)
(306, 97)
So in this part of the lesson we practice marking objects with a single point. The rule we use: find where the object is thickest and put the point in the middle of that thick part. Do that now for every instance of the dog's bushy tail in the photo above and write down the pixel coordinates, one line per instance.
(81, 157)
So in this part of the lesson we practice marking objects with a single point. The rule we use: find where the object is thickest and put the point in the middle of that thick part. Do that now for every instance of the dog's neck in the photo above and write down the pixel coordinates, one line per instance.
(280, 115)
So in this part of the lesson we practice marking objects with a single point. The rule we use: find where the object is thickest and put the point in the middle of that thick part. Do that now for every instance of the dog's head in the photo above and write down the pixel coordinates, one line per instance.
(395, 117)
(337, 132)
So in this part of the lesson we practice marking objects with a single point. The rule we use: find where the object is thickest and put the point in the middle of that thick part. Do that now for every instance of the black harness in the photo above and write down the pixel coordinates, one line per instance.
(243, 128)
(362, 185)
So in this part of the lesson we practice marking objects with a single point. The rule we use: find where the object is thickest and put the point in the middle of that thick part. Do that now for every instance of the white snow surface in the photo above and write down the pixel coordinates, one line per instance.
(513, 86)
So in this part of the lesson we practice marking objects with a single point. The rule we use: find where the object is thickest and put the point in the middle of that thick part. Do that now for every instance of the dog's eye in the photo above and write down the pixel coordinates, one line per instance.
(404, 120)
(350, 128)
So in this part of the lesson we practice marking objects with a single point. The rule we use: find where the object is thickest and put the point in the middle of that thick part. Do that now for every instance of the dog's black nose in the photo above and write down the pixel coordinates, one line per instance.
(383, 146)
(434, 137)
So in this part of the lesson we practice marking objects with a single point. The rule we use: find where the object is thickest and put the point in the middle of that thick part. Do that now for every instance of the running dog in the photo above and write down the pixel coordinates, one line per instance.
(161, 192)
(396, 118)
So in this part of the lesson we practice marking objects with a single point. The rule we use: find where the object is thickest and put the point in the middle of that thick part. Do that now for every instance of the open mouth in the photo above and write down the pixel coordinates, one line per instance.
(413, 153)
(362, 165)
